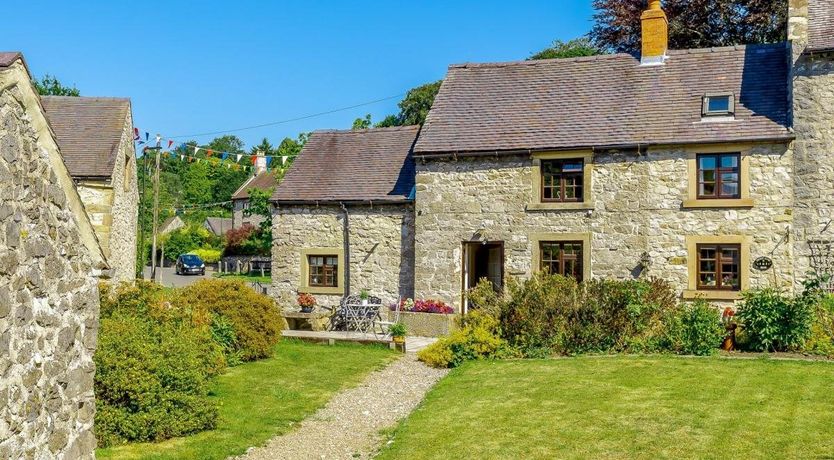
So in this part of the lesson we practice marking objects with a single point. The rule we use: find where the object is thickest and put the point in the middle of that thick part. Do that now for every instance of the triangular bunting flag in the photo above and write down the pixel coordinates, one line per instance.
(209, 152)
(283, 160)
(268, 161)
(254, 159)
(225, 155)
(147, 135)
(196, 149)
(238, 158)
(182, 157)
(170, 143)
(136, 134)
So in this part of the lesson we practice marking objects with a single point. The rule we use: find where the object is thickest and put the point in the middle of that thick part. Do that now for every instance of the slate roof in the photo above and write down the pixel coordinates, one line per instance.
(218, 225)
(263, 181)
(89, 130)
(821, 25)
(352, 166)
(607, 101)
(8, 58)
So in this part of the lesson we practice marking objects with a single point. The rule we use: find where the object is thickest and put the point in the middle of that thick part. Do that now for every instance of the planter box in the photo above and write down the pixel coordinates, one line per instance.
(426, 324)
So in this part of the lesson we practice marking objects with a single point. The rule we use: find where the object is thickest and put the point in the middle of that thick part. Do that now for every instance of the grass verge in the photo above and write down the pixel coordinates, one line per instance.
(624, 407)
(266, 398)
(247, 278)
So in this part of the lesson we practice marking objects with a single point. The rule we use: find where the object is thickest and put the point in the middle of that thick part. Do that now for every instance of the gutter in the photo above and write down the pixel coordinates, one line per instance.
(341, 203)
(509, 152)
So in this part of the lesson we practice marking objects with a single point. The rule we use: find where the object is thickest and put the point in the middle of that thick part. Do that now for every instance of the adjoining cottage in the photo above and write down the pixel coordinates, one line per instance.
(709, 168)
(344, 217)
(49, 263)
(95, 135)
(674, 164)
(218, 225)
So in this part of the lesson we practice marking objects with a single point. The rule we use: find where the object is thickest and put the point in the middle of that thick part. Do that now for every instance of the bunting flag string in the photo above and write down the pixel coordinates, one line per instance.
(183, 151)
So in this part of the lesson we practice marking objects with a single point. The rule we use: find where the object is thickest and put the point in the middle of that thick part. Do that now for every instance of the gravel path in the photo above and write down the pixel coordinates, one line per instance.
(348, 426)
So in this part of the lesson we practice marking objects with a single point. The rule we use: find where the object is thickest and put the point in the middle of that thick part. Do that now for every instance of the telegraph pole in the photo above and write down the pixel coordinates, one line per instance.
(158, 150)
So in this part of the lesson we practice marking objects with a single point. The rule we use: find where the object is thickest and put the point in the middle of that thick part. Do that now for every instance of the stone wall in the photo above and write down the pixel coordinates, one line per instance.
(813, 121)
(381, 249)
(125, 217)
(113, 208)
(239, 219)
(48, 296)
(637, 208)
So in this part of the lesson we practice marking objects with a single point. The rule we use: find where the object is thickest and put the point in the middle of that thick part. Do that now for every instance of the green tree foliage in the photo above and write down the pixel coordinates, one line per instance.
(578, 47)
(692, 23)
(362, 123)
(187, 239)
(49, 85)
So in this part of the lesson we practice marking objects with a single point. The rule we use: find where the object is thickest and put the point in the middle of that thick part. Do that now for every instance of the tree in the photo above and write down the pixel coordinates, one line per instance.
(578, 47)
(692, 23)
(362, 123)
(49, 85)
(264, 148)
(259, 205)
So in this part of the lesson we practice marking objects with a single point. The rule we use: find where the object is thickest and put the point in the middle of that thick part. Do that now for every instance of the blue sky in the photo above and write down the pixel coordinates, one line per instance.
(194, 67)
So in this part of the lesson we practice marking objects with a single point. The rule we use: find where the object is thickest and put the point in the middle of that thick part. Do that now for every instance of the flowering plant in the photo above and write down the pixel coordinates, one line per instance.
(424, 306)
(728, 318)
(306, 300)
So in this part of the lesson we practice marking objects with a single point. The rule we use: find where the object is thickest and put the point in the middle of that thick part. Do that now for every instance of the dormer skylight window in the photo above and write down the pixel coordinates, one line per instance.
(719, 105)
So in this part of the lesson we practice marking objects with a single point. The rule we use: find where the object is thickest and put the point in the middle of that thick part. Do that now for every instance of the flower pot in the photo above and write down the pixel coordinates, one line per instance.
(399, 340)
(306, 309)
(364, 302)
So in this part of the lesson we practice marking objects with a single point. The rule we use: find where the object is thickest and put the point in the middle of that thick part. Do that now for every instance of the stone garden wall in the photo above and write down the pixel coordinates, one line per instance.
(637, 208)
(48, 296)
(381, 249)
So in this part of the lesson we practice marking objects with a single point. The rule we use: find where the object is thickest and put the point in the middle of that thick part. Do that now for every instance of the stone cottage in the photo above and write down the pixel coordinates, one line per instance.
(49, 263)
(709, 168)
(263, 180)
(344, 217)
(95, 135)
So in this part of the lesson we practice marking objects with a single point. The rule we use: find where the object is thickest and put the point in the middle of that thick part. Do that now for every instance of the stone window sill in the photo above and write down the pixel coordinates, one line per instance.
(691, 294)
(321, 290)
(560, 206)
(707, 204)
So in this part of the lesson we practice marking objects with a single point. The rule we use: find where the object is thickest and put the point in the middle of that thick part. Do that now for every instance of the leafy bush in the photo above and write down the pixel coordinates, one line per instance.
(549, 314)
(696, 329)
(184, 240)
(256, 320)
(242, 241)
(775, 321)
(223, 333)
(478, 337)
(821, 341)
(153, 368)
(209, 256)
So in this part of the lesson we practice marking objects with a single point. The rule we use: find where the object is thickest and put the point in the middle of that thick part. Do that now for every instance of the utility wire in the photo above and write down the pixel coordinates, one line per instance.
(289, 120)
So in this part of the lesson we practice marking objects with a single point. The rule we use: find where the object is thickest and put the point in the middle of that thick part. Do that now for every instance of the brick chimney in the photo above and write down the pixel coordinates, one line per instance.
(655, 34)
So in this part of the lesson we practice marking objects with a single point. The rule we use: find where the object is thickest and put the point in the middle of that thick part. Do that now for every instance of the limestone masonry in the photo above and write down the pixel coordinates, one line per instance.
(49, 258)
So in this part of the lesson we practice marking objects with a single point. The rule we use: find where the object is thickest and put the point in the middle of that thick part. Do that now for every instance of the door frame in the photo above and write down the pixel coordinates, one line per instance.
(465, 246)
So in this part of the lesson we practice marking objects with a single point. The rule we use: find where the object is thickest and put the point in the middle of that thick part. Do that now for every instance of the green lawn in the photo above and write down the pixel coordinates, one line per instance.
(625, 407)
(249, 279)
(262, 399)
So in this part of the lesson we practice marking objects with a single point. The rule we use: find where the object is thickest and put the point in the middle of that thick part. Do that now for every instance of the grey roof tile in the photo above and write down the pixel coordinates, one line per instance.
(821, 25)
(362, 165)
(607, 101)
(89, 130)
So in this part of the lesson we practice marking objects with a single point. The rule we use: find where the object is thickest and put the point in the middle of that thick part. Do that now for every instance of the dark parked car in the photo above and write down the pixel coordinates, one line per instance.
(189, 264)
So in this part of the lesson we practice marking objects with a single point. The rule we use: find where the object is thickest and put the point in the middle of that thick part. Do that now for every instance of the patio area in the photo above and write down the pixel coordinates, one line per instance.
(412, 344)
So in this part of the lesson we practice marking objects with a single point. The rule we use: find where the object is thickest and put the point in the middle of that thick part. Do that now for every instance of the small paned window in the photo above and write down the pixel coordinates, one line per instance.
(324, 271)
(718, 176)
(719, 267)
(718, 105)
(562, 180)
(562, 258)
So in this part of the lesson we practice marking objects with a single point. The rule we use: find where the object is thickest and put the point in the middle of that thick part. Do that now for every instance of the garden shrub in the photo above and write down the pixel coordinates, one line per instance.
(153, 367)
(549, 314)
(696, 329)
(775, 321)
(186, 239)
(821, 341)
(209, 256)
(477, 337)
(256, 320)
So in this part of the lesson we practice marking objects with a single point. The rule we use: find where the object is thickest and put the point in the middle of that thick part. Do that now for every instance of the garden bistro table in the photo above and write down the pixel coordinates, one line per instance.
(361, 317)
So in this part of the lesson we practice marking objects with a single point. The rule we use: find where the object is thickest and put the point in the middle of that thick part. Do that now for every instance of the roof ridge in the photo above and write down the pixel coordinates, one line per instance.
(368, 130)
(88, 98)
